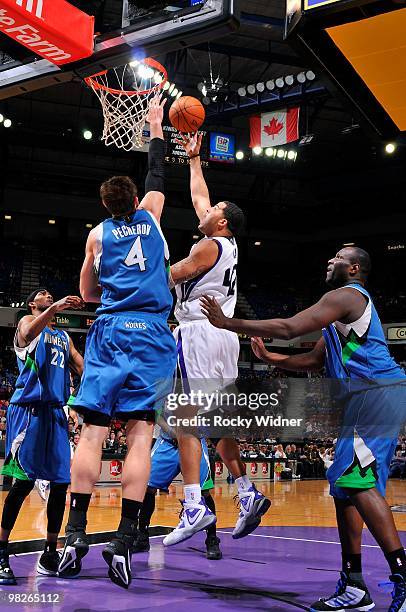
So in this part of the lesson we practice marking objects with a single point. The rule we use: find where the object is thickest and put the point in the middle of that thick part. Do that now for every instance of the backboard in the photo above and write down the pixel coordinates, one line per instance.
(148, 28)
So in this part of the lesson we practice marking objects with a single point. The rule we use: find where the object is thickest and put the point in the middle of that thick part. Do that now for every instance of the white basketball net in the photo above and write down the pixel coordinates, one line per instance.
(124, 93)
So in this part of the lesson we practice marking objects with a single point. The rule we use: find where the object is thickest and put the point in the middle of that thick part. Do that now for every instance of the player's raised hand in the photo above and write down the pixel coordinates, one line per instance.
(156, 109)
(191, 144)
(213, 312)
(258, 348)
(70, 302)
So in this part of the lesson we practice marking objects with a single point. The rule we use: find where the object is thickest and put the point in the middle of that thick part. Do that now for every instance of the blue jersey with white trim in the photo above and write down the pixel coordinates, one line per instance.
(132, 263)
(359, 349)
(44, 369)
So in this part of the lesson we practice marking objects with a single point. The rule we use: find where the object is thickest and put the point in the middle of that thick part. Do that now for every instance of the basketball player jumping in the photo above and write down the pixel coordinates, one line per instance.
(37, 440)
(130, 352)
(373, 389)
(207, 358)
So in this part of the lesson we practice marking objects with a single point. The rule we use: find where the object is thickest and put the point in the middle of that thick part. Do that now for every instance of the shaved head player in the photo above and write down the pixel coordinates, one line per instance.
(373, 388)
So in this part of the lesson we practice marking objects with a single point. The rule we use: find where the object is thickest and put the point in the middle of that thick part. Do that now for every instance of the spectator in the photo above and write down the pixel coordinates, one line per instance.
(398, 466)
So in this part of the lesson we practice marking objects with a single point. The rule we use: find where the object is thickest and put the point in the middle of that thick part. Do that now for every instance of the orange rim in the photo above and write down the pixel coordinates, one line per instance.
(92, 82)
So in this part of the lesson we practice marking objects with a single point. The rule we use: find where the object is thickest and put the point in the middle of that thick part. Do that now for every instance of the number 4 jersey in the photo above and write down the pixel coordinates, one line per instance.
(219, 282)
(132, 263)
(44, 369)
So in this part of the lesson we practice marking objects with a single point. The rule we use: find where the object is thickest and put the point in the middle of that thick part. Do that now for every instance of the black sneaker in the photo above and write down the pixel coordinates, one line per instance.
(6, 573)
(141, 542)
(213, 549)
(117, 555)
(48, 563)
(349, 595)
(76, 547)
(398, 594)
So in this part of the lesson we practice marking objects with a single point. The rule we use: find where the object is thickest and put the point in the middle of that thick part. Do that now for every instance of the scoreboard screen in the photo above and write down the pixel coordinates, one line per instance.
(176, 154)
(311, 4)
(222, 147)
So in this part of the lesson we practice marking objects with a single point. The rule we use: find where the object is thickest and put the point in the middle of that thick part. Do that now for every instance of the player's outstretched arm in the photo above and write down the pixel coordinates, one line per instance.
(30, 327)
(90, 289)
(75, 359)
(202, 258)
(313, 361)
(334, 306)
(198, 186)
(154, 198)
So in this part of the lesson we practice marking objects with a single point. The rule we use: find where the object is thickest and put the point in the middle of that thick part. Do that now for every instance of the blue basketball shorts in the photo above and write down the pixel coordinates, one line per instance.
(130, 360)
(37, 443)
(165, 464)
(368, 439)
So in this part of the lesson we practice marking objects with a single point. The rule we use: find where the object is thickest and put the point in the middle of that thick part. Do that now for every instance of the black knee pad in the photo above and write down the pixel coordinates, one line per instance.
(14, 501)
(56, 506)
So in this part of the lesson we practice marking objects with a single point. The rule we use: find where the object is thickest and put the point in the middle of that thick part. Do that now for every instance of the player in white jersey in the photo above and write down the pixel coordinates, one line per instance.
(207, 357)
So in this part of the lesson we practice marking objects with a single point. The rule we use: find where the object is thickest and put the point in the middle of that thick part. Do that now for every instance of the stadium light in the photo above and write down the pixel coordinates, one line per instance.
(89, 225)
(269, 152)
(7, 123)
(171, 88)
(51, 221)
(87, 135)
(239, 155)
(7, 217)
(179, 95)
(251, 89)
(166, 85)
(289, 79)
(281, 153)
(195, 237)
(301, 77)
(310, 76)
(158, 78)
(145, 72)
(257, 150)
(174, 92)
(1, 118)
(257, 243)
(260, 87)
(390, 148)
(270, 85)
(242, 92)
(292, 155)
(280, 82)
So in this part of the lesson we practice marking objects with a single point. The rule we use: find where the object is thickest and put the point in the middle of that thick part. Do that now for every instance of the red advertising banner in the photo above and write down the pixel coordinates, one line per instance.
(53, 29)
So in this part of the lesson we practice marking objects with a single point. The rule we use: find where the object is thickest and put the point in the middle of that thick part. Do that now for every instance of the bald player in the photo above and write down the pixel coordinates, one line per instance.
(372, 386)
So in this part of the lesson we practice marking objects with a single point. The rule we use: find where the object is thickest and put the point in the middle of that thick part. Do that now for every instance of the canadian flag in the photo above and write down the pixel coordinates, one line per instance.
(274, 129)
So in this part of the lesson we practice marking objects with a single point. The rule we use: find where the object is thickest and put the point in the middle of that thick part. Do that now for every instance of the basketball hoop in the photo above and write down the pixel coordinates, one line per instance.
(124, 93)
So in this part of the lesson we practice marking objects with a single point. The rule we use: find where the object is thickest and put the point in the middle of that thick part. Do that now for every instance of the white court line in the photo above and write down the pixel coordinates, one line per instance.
(39, 552)
(258, 535)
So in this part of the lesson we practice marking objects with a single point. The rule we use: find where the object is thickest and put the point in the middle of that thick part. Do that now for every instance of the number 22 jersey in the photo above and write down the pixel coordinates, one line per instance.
(219, 282)
(44, 369)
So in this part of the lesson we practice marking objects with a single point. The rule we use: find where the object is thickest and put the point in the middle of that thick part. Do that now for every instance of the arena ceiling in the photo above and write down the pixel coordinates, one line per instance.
(342, 174)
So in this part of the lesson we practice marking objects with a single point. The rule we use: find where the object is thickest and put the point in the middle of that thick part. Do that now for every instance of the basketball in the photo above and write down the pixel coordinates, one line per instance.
(187, 114)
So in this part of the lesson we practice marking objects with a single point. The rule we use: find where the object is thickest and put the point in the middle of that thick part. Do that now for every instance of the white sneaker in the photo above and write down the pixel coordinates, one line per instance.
(194, 517)
(253, 506)
(42, 487)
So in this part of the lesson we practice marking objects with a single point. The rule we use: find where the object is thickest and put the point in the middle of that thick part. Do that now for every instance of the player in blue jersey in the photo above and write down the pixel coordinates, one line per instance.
(165, 467)
(372, 386)
(130, 352)
(37, 440)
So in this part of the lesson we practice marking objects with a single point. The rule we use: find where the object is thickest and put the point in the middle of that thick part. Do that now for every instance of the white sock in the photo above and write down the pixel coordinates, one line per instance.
(243, 483)
(193, 493)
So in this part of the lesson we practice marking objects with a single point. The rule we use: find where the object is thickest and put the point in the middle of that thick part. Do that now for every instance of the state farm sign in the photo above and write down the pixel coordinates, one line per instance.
(52, 29)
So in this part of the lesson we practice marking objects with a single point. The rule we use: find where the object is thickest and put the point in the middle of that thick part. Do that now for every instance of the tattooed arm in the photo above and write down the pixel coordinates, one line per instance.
(201, 259)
